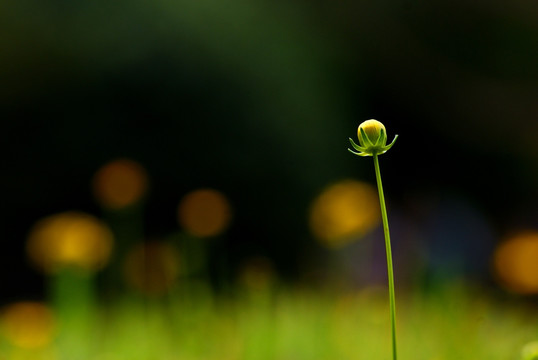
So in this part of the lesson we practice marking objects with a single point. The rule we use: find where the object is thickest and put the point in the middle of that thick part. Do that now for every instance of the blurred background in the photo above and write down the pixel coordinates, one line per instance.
(180, 138)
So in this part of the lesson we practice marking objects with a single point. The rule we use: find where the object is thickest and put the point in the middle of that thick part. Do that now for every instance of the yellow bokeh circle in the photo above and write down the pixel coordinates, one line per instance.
(344, 211)
(120, 183)
(70, 239)
(28, 324)
(516, 263)
(204, 212)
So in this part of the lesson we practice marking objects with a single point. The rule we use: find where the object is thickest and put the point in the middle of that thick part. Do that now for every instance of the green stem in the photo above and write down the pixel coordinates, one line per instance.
(389, 256)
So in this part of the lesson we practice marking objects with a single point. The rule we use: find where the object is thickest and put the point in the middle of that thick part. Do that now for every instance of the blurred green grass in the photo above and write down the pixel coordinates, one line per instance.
(451, 323)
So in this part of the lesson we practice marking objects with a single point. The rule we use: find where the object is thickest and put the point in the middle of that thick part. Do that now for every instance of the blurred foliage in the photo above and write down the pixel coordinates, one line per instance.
(281, 324)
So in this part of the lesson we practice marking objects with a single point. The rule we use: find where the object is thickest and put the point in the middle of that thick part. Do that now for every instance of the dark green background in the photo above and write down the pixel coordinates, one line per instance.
(257, 99)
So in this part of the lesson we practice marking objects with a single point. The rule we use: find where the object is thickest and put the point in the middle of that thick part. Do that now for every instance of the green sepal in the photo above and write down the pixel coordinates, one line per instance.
(386, 148)
(357, 147)
(382, 139)
(358, 153)
(365, 139)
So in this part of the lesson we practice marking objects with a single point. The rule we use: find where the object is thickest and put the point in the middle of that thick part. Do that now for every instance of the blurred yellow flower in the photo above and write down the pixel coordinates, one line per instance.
(70, 239)
(343, 212)
(28, 324)
(204, 212)
(516, 263)
(120, 183)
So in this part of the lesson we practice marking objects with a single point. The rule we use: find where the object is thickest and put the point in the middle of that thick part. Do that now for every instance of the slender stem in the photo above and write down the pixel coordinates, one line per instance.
(389, 256)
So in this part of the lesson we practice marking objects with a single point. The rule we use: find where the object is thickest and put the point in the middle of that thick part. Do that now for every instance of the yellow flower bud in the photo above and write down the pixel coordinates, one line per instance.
(372, 139)
(372, 128)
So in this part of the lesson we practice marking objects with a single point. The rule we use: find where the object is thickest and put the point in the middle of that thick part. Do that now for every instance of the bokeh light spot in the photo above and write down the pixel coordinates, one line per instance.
(516, 263)
(28, 324)
(70, 239)
(204, 212)
(120, 183)
(152, 268)
(344, 211)
(530, 351)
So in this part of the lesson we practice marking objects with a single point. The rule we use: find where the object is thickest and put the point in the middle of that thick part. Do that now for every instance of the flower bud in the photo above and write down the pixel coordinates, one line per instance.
(372, 139)
(374, 130)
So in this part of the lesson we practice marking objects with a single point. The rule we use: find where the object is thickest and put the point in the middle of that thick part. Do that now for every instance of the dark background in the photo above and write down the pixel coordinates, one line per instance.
(258, 99)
